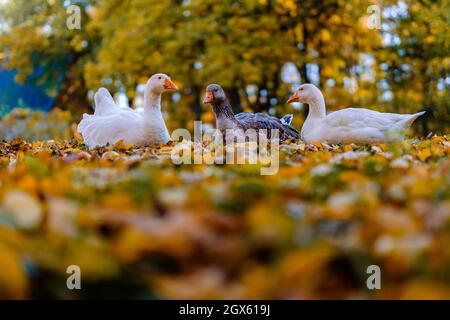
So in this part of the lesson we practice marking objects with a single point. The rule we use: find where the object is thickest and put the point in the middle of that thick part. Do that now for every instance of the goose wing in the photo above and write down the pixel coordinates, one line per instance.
(356, 118)
(263, 121)
(100, 130)
(105, 104)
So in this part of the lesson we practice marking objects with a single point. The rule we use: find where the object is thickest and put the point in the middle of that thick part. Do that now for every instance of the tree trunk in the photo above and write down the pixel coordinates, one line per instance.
(303, 66)
(235, 99)
(427, 100)
(195, 104)
(305, 79)
(72, 95)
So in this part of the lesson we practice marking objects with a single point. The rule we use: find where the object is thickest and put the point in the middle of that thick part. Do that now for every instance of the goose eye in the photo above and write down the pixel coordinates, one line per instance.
(301, 89)
(159, 78)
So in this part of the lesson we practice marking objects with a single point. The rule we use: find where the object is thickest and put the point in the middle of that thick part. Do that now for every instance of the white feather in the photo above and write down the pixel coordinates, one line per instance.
(110, 124)
(351, 125)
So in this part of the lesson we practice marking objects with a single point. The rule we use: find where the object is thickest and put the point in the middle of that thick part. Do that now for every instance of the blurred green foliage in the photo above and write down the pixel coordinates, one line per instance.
(401, 67)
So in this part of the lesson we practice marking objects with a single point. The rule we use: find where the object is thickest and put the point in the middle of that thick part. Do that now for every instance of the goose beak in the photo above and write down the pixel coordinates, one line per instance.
(169, 85)
(208, 98)
(293, 98)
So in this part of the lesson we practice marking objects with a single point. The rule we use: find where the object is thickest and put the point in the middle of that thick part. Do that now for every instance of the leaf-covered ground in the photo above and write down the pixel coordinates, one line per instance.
(141, 227)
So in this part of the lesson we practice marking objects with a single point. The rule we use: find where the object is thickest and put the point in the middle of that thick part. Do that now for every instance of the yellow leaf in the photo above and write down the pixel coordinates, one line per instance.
(424, 154)
(121, 145)
(13, 281)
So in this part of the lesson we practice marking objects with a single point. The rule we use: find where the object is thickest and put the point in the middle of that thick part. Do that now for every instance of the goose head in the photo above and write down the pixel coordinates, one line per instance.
(214, 95)
(306, 93)
(160, 82)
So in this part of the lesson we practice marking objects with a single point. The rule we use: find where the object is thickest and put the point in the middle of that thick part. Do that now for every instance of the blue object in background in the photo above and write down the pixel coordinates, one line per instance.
(27, 95)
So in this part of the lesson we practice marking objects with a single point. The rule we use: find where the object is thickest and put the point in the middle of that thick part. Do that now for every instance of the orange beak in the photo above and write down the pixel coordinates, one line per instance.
(293, 98)
(169, 85)
(208, 98)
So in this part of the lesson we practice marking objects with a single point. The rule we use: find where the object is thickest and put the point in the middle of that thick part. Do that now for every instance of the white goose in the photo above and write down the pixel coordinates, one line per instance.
(109, 123)
(351, 125)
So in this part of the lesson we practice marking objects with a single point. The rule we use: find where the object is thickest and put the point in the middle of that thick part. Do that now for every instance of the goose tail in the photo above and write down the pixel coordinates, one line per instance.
(409, 121)
(83, 123)
(287, 119)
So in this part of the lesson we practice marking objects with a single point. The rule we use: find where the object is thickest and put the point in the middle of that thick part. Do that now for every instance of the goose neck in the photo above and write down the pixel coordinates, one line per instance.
(223, 110)
(152, 101)
(317, 107)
